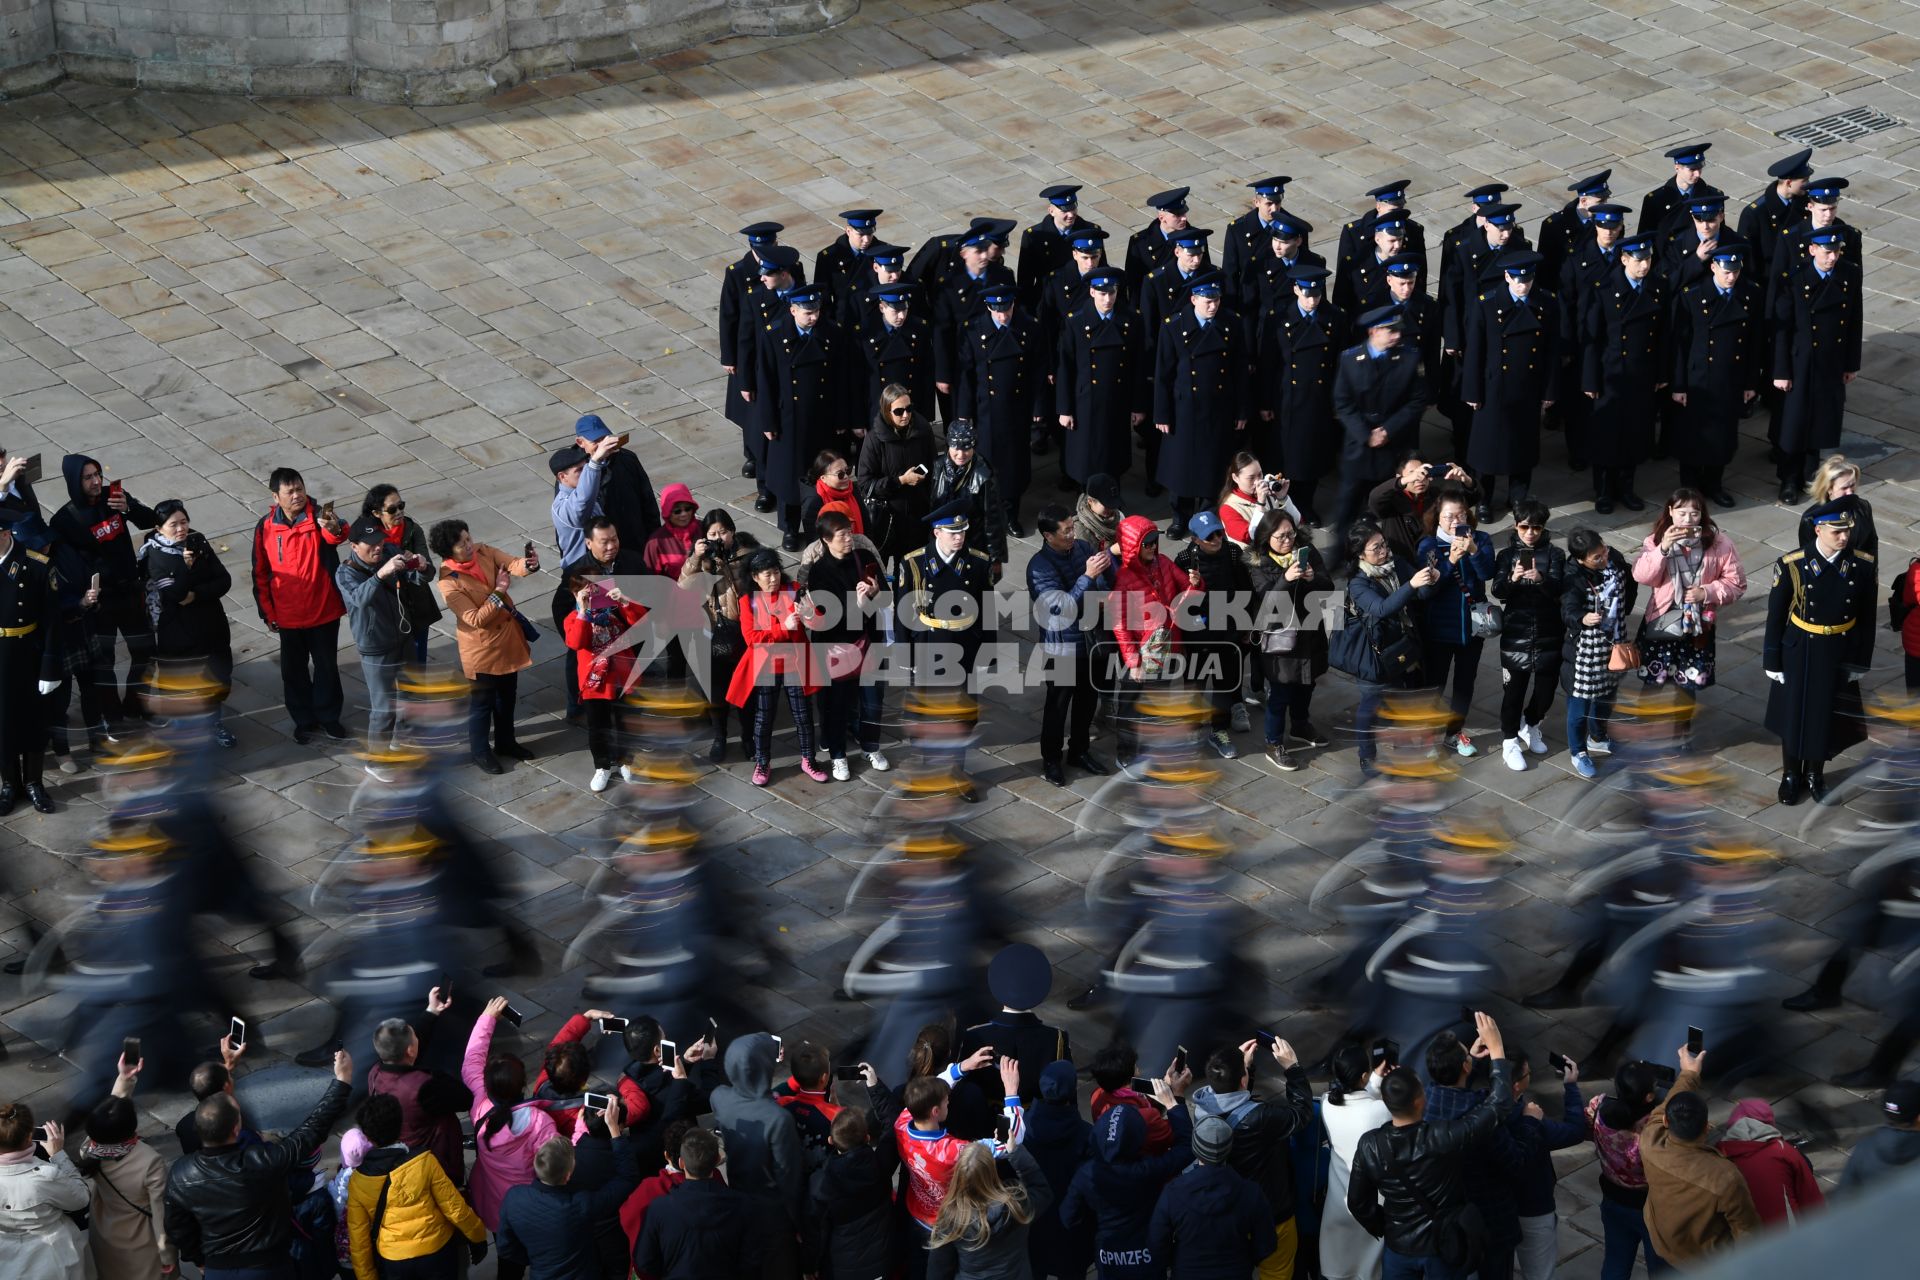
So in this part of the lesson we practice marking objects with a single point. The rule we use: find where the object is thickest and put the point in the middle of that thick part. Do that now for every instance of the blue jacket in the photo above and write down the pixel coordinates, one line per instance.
(1380, 616)
(572, 508)
(1211, 1224)
(553, 1231)
(1058, 582)
(1461, 583)
(1117, 1190)
(1533, 1181)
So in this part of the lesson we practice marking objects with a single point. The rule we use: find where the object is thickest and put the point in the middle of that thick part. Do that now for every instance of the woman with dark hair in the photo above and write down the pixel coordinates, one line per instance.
(1616, 1119)
(1594, 607)
(1248, 494)
(779, 660)
(185, 584)
(38, 1238)
(831, 481)
(507, 1129)
(1528, 577)
(1288, 578)
(1351, 1107)
(1463, 556)
(127, 1224)
(494, 637)
(895, 474)
(719, 554)
(847, 581)
(1693, 572)
(1380, 597)
(384, 503)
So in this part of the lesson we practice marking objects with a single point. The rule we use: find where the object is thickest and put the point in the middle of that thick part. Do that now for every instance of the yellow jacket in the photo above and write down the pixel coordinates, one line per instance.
(423, 1209)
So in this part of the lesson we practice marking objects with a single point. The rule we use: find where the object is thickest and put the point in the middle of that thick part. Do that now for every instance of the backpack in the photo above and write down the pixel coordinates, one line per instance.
(315, 1221)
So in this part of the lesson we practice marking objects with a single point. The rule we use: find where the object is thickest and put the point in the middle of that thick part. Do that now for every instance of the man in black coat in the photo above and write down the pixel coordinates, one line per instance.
(1624, 366)
(1818, 643)
(1202, 398)
(1719, 363)
(840, 267)
(1019, 978)
(551, 1227)
(1209, 1221)
(95, 524)
(1267, 276)
(1062, 294)
(626, 493)
(1688, 246)
(1100, 386)
(898, 349)
(943, 570)
(763, 305)
(702, 1229)
(1356, 237)
(1249, 234)
(1816, 353)
(1047, 244)
(1510, 375)
(800, 388)
(28, 665)
(1778, 209)
(1379, 393)
(1823, 211)
(1002, 390)
(883, 264)
(1563, 231)
(739, 278)
(1163, 296)
(1152, 245)
(1592, 260)
(1361, 284)
(1665, 207)
(957, 306)
(1299, 344)
(1444, 367)
(1420, 319)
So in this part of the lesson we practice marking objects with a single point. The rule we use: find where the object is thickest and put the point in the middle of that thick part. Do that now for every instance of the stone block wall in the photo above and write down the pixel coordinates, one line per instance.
(420, 51)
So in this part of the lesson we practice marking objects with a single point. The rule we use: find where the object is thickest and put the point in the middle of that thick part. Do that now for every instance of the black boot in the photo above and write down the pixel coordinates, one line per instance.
(1825, 991)
(1882, 1068)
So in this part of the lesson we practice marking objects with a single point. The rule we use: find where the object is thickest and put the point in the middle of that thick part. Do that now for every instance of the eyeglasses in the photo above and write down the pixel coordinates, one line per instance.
(839, 473)
(902, 411)
(687, 507)
(394, 509)
(1529, 528)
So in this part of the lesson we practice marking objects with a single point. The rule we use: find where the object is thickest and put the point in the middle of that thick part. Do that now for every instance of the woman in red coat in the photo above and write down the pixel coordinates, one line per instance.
(594, 630)
(779, 659)
(1146, 590)
(1779, 1177)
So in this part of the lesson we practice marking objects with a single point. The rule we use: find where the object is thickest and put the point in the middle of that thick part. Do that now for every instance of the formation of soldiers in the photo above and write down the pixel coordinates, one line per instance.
(1636, 345)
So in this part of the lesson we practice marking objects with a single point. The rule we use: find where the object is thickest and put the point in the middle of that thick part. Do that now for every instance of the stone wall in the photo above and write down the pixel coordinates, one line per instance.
(421, 51)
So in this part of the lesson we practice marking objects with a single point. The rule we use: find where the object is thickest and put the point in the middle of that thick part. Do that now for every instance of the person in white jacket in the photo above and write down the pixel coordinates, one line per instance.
(38, 1241)
(1350, 1108)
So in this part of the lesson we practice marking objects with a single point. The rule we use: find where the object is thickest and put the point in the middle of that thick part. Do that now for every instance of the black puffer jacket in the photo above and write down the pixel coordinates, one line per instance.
(852, 1232)
(1393, 1162)
(1532, 631)
(228, 1208)
(896, 512)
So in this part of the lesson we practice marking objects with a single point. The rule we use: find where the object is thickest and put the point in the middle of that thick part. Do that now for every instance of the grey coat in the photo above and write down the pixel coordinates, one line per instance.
(374, 607)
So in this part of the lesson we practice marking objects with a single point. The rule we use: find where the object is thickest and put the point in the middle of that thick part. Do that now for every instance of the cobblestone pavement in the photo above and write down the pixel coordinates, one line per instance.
(197, 289)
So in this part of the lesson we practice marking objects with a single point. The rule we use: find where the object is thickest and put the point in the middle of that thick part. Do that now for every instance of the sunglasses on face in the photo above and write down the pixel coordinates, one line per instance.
(394, 508)
(687, 507)
(1529, 528)
(839, 473)
(902, 411)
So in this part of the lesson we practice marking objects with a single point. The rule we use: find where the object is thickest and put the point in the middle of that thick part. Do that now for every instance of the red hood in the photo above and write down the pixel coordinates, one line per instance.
(1133, 531)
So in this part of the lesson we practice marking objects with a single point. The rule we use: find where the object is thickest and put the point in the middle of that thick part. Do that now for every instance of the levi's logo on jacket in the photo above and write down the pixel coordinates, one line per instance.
(112, 527)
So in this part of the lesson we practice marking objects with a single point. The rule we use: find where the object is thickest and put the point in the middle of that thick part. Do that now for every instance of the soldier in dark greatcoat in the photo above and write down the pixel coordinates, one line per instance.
(1470, 274)
(1420, 319)
(1563, 231)
(1100, 386)
(1589, 265)
(1003, 390)
(1019, 978)
(1509, 375)
(1816, 353)
(1688, 246)
(840, 268)
(1624, 366)
(1361, 284)
(1379, 392)
(1299, 342)
(1047, 244)
(898, 347)
(1163, 296)
(1719, 364)
(1249, 235)
(937, 580)
(27, 664)
(741, 276)
(1266, 280)
(883, 263)
(1778, 209)
(1356, 237)
(1202, 398)
(763, 307)
(1665, 207)
(1823, 211)
(1444, 369)
(1819, 642)
(1152, 245)
(1065, 292)
(800, 390)
(957, 306)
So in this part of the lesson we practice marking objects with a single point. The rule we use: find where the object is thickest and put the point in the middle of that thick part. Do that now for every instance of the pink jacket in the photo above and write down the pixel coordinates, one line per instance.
(1720, 574)
(504, 1160)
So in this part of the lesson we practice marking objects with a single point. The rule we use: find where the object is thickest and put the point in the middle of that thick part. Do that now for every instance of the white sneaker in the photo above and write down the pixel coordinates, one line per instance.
(878, 762)
(1514, 754)
(626, 773)
(840, 771)
(1536, 741)
(1238, 717)
(1599, 747)
(601, 777)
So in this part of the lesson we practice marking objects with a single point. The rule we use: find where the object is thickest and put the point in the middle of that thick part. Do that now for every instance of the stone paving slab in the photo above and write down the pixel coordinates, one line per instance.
(199, 289)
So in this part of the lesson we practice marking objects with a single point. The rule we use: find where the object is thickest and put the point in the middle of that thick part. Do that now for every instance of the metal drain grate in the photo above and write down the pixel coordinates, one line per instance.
(1844, 127)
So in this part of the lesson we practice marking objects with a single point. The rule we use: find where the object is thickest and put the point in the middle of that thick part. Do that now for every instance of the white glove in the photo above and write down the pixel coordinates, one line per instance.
(1776, 677)
(48, 686)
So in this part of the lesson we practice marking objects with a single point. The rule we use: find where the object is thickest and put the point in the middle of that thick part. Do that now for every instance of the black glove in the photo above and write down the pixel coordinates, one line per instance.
(476, 1253)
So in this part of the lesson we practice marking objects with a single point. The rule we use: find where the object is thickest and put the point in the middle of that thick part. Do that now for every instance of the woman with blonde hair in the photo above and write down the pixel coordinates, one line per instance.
(981, 1233)
(1839, 477)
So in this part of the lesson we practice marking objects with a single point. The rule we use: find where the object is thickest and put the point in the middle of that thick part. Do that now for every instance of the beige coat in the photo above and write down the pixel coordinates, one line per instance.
(490, 639)
(1697, 1202)
(129, 1244)
(37, 1239)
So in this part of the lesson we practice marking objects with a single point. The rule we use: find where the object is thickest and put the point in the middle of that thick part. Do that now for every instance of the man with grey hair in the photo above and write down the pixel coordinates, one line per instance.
(430, 1101)
(1210, 1220)
(705, 1228)
(549, 1228)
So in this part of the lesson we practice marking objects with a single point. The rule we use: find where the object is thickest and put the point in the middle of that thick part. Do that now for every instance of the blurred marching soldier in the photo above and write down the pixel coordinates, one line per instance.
(1379, 392)
(1249, 235)
(1019, 977)
(1202, 397)
(1719, 363)
(883, 263)
(1002, 389)
(1152, 245)
(1473, 267)
(1778, 209)
(1361, 284)
(956, 307)
(1100, 386)
(1164, 295)
(1585, 270)
(1267, 279)
(763, 309)
(1443, 369)
(944, 586)
(741, 277)
(1689, 245)
(1816, 353)
(1045, 247)
(1819, 642)
(1065, 292)
(1299, 343)
(1823, 212)
(839, 268)
(1624, 363)
(1665, 207)
(1356, 237)
(1563, 231)
(1509, 375)
(898, 347)
(800, 389)
(29, 666)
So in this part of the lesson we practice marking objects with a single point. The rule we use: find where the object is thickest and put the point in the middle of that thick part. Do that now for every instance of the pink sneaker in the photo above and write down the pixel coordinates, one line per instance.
(761, 776)
(812, 770)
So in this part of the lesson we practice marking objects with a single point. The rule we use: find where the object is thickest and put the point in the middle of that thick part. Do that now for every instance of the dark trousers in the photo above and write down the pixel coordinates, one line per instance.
(442, 1264)
(850, 710)
(1066, 722)
(310, 674)
(1355, 485)
(603, 731)
(1464, 661)
(124, 615)
(1543, 678)
(721, 710)
(1366, 712)
(570, 676)
(1612, 482)
(1795, 468)
(1706, 479)
(490, 710)
(1286, 702)
(766, 704)
(1913, 673)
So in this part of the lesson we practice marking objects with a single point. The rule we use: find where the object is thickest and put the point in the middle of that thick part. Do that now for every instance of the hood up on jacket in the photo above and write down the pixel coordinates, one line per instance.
(71, 466)
(1119, 1134)
(1133, 532)
(751, 1062)
(1751, 1121)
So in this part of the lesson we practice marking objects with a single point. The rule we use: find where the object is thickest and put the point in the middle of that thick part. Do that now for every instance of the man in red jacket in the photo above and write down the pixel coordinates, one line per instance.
(294, 559)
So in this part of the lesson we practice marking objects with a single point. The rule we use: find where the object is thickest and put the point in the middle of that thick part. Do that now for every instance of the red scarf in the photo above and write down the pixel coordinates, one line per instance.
(397, 533)
(847, 500)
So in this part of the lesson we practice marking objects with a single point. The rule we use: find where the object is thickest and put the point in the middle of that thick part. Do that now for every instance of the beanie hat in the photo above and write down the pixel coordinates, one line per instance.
(1212, 1140)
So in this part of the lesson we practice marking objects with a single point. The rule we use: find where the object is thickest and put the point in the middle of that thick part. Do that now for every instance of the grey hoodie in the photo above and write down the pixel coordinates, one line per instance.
(763, 1151)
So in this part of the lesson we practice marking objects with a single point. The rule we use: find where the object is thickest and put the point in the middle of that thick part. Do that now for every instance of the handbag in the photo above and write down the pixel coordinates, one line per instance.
(1625, 656)
(1485, 619)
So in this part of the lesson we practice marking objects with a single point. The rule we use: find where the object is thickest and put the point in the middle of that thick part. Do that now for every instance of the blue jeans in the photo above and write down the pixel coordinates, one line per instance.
(1625, 1235)
(1400, 1266)
(1365, 712)
(1586, 717)
(382, 672)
